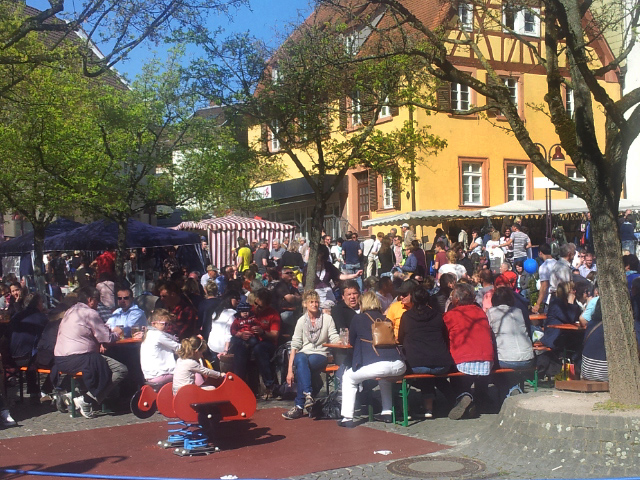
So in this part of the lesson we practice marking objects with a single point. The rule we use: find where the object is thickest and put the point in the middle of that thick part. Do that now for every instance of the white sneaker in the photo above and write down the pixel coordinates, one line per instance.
(6, 420)
(86, 410)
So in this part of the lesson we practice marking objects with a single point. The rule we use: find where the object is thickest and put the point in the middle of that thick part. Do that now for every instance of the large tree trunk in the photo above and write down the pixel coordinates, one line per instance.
(620, 339)
(317, 226)
(121, 249)
(38, 248)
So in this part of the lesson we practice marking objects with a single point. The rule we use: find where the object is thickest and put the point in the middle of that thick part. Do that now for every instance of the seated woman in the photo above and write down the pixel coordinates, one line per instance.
(307, 353)
(158, 349)
(563, 309)
(27, 327)
(423, 337)
(594, 356)
(513, 343)
(368, 362)
(218, 327)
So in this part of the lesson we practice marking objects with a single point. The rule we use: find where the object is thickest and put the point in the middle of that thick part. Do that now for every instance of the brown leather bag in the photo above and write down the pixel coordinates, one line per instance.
(382, 332)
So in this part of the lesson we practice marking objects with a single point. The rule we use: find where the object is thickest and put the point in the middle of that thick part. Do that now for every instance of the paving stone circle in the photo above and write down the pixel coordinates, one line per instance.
(437, 467)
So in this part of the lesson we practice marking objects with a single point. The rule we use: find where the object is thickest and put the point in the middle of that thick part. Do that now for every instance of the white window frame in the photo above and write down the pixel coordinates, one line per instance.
(574, 174)
(275, 76)
(356, 109)
(526, 20)
(274, 142)
(387, 192)
(471, 177)
(465, 15)
(516, 179)
(457, 92)
(351, 44)
(385, 109)
(512, 84)
(570, 105)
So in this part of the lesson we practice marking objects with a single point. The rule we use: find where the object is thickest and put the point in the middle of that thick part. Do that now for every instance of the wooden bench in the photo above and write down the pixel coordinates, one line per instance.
(45, 371)
(582, 386)
(330, 372)
(404, 391)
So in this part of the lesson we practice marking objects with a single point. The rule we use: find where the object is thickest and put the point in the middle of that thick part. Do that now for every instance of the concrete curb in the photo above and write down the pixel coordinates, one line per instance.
(581, 442)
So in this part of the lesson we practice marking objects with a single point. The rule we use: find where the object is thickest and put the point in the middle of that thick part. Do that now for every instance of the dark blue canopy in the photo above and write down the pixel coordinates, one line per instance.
(103, 234)
(23, 244)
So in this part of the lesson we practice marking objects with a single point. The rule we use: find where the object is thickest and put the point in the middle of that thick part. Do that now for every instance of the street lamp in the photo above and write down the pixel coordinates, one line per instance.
(556, 156)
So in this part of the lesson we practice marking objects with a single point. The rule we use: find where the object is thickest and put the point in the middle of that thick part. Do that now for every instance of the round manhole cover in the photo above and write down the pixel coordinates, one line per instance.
(434, 467)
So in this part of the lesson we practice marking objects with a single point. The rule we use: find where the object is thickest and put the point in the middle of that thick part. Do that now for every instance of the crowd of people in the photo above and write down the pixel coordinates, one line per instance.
(467, 310)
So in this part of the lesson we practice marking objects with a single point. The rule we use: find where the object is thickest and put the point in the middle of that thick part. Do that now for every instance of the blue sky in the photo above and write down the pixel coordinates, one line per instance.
(265, 19)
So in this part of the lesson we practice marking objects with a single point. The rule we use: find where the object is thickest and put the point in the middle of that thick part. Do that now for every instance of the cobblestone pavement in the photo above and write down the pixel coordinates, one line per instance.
(518, 443)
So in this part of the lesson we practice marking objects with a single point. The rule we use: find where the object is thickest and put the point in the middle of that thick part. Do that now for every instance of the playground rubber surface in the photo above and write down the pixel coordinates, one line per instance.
(266, 446)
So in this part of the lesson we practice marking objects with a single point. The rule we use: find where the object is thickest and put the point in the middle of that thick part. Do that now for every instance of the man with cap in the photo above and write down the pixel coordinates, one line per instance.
(212, 273)
(408, 235)
(401, 304)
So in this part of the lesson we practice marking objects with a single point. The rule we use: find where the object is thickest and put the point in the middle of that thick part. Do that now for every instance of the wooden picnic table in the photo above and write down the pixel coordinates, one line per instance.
(129, 341)
(568, 326)
(341, 352)
(537, 317)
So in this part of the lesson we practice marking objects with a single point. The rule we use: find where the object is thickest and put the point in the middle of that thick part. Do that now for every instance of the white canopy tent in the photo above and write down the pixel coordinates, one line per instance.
(558, 207)
(422, 217)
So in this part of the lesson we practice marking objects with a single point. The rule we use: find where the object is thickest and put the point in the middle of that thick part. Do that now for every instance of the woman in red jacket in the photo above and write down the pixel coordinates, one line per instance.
(471, 346)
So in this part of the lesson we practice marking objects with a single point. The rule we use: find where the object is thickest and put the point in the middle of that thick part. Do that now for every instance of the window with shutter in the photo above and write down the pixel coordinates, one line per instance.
(443, 96)
(373, 191)
(264, 138)
(397, 190)
(343, 113)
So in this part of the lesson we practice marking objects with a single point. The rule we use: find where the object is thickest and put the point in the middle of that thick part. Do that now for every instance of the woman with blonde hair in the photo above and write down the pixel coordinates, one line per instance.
(308, 356)
(369, 362)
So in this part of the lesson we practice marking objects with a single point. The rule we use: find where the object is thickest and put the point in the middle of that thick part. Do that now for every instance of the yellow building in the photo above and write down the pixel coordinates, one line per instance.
(483, 164)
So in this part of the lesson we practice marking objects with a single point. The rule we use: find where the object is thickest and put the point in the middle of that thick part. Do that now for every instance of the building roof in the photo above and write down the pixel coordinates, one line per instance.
(80, 38)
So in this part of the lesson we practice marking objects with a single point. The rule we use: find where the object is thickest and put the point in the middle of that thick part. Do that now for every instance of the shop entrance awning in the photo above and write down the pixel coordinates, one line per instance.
(422, 217)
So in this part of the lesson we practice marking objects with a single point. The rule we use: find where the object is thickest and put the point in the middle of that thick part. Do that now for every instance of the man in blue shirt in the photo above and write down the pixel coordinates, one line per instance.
(351, 252)
(128, 314)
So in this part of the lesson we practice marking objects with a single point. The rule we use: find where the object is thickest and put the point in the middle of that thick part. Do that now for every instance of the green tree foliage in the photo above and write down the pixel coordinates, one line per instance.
(43, 135)
(114, 26)
(302, 97)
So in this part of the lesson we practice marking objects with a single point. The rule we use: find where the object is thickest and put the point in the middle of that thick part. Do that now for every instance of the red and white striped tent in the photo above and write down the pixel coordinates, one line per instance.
(223, 234)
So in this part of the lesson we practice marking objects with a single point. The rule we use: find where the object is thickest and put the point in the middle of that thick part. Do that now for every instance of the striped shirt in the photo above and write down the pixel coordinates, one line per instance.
(475, 368)
(594, 369)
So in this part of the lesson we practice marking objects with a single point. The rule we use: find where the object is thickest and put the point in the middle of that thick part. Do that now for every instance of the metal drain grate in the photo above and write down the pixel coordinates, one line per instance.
(437, 467)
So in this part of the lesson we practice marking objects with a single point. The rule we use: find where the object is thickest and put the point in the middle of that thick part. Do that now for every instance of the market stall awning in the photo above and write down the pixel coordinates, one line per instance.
(103, 234)
(538, 207)
(24, 243)
(422, 217)
(223, 233)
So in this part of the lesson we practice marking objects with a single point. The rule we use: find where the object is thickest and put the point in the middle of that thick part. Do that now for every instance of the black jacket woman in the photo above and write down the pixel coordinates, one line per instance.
(423, 336)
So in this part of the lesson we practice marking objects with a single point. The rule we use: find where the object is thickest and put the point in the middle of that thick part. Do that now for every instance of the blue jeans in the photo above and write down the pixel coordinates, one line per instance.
(629, 245)
(506, 381)
(308, 368)
(353, 268)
